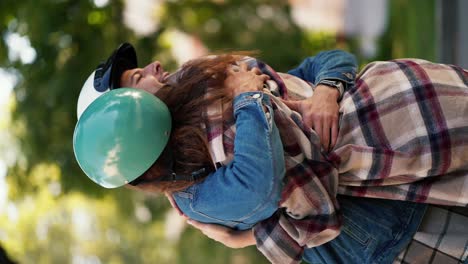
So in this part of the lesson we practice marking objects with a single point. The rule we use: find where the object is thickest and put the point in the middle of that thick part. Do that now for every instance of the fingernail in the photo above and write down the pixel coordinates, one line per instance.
(189, 222)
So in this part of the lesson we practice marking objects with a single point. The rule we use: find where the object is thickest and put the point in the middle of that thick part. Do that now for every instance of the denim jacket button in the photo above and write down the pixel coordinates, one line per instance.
(256, 96)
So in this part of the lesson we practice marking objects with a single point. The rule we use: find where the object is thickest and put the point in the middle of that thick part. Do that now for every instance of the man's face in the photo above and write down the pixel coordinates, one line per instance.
(150, 78)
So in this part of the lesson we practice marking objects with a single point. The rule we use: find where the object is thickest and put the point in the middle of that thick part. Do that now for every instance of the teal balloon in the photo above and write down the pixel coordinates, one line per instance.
(120, 135)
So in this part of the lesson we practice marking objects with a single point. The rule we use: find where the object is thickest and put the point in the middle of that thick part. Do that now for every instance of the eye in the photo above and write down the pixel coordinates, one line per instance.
(137, 77)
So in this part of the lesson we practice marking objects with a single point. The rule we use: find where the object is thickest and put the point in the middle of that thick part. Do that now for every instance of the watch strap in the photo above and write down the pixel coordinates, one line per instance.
(335, 84)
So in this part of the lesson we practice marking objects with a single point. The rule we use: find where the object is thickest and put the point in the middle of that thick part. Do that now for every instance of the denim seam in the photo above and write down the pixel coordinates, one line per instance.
(397, 237)
(385, 225)
(371, 239)
(185, 195)
(232, 223)
(359, 229)
(246, 99)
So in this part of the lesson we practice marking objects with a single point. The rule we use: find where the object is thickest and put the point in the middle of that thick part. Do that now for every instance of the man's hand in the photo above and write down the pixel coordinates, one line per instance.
(320, 112)
(227, 236)
(240, 79)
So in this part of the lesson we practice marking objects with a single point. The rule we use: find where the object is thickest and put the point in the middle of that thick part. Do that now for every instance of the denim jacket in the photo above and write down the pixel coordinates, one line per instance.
(248, 189)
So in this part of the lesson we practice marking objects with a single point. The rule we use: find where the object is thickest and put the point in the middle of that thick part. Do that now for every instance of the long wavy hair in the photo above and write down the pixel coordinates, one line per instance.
(198, 83)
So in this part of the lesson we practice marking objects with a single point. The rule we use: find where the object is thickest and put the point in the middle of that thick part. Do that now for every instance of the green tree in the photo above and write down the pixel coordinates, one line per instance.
(70, 38)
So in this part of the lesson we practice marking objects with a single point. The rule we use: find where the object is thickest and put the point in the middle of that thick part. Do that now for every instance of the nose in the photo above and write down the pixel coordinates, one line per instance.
(153, 68)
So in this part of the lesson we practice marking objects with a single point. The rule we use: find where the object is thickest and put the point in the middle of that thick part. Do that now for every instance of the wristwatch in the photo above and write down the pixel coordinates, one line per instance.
(335, 84)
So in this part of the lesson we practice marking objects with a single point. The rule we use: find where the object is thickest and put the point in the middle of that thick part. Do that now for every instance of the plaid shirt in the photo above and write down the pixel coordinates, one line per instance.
(442, 237)
(403, 135)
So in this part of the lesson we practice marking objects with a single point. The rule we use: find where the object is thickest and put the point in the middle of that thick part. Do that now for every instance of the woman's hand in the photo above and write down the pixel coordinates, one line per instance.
(227, 236)
(320, 112)
(240, 79)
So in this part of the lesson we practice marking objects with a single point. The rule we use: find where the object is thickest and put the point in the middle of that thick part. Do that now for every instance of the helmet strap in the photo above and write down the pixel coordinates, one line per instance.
(194, 176)
(172, 176)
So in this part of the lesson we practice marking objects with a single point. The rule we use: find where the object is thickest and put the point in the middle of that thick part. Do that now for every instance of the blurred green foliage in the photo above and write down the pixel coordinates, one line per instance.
(411, 32)
(71, 38)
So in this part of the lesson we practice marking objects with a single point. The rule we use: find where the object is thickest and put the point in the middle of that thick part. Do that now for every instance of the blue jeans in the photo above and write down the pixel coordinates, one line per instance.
(374, 231)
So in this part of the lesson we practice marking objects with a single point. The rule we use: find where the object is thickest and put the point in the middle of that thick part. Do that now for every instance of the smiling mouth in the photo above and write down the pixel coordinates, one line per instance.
(163, 77)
